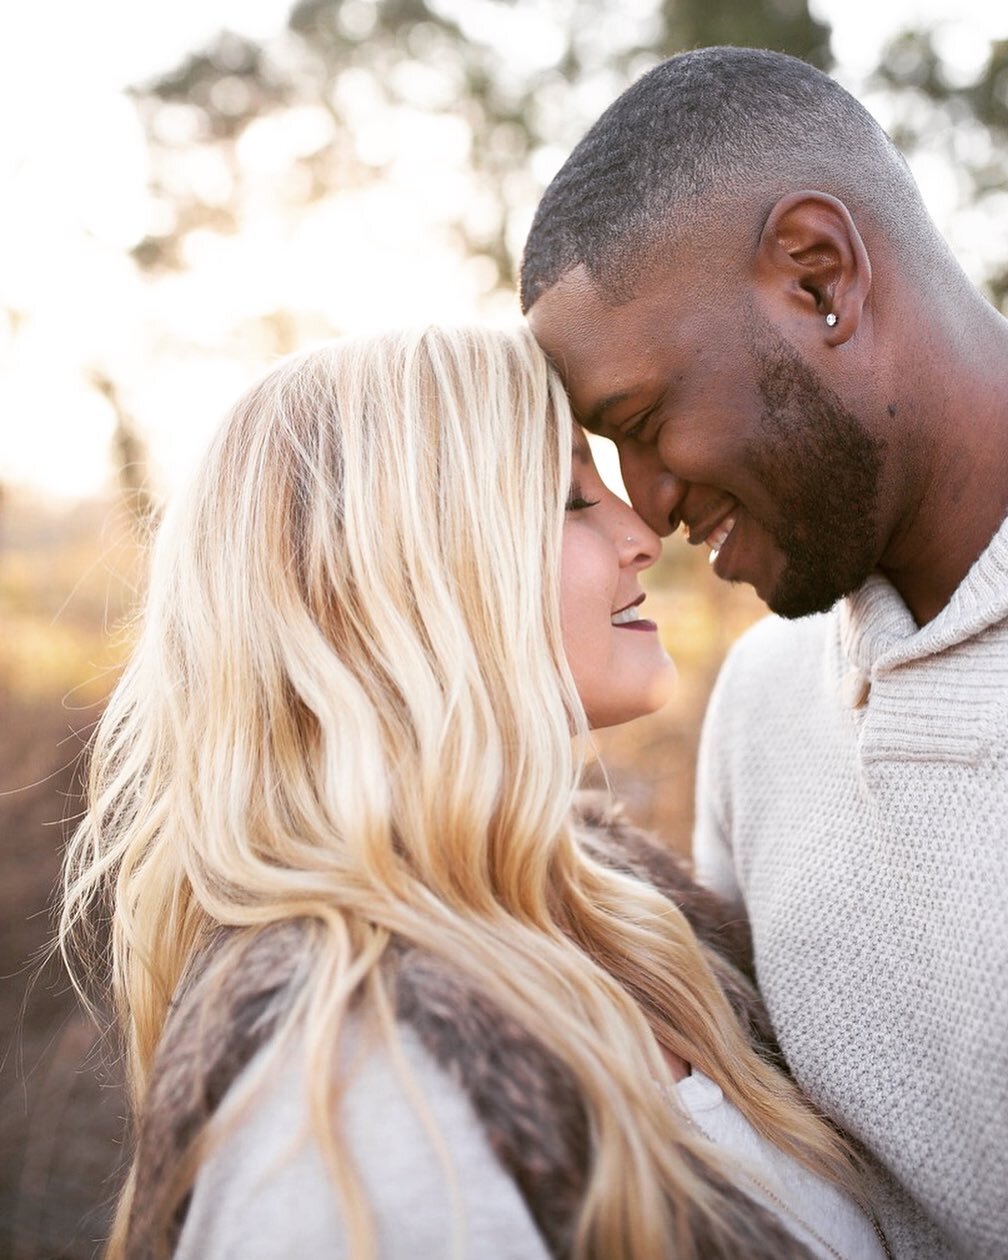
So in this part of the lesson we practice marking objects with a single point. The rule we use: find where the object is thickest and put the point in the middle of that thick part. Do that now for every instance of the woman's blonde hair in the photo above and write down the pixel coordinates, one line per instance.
(349, 704)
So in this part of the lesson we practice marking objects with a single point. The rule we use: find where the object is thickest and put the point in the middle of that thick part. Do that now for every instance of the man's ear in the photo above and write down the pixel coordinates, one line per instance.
(811, 258)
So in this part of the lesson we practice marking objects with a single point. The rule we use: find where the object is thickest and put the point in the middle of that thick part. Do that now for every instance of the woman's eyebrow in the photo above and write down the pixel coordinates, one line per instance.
(582, 451)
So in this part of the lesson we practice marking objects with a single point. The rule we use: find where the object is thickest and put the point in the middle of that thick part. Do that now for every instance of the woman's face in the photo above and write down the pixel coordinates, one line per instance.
(619, 665)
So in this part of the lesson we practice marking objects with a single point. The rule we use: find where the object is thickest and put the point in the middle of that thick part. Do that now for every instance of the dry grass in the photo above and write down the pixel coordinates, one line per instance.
(60, 1109)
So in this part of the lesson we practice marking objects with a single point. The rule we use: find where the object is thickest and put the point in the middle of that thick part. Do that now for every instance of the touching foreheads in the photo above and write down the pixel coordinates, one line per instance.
(709, 140)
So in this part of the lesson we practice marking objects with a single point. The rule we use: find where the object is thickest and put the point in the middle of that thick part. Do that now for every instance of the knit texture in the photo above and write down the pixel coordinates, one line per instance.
(853, 793)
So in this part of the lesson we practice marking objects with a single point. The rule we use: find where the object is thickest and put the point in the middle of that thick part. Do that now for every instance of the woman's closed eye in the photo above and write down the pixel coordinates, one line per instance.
(576, 501)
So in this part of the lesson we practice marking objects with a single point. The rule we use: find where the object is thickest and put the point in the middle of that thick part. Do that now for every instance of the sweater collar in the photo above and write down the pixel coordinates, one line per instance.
(878, 631)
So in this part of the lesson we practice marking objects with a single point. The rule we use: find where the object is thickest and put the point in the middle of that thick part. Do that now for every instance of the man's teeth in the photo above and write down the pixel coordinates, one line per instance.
(717, 538)
(627, 614)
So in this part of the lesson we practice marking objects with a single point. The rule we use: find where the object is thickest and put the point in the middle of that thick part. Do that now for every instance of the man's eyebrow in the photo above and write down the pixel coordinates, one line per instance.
(595, 415)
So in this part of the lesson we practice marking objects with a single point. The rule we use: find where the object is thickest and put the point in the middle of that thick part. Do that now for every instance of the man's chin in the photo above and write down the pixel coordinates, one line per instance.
(793, 599)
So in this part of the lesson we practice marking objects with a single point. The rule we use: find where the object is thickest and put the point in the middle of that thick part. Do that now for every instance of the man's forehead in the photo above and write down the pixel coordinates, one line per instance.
(601, 351)
(567, 310)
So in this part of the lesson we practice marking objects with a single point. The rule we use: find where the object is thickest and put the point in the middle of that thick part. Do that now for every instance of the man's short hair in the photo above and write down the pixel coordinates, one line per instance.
(711, 139)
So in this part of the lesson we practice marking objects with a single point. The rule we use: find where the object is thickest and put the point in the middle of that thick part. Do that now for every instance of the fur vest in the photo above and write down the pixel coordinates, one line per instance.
(530, 1109)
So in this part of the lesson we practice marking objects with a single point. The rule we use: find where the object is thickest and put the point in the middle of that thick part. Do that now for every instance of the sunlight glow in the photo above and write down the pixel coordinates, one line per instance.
(181, 346)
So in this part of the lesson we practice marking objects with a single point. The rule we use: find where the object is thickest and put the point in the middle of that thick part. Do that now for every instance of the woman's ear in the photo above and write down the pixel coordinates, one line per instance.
(811, 261)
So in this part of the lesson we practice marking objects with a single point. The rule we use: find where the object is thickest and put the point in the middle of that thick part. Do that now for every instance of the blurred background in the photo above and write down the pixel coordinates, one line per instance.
(188, 191)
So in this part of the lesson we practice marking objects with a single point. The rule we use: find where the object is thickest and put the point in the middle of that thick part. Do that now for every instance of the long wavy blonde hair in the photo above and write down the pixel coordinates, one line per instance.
(349, 704)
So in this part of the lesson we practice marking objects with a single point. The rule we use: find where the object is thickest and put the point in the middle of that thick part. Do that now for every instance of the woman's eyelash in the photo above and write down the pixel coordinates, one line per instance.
(576, 501)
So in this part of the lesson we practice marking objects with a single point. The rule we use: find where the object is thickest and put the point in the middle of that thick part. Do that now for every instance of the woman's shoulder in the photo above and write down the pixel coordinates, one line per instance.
(495, 1102)
(413, 1139)
(608, 835)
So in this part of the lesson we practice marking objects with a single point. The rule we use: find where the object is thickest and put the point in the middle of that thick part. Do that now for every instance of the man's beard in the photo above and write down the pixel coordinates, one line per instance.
(823, 470)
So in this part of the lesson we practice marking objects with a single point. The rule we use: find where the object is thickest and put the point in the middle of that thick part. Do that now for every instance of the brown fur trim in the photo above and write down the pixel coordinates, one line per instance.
(533, 1117)
(525, 1099)
(220, 1018)
(610, 838)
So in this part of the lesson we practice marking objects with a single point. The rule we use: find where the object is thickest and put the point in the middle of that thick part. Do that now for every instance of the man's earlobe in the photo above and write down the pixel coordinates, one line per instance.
(812, 260)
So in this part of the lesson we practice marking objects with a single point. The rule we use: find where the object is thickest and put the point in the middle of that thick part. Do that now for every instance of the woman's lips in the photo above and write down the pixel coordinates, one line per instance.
(627, 618)
(640, 623)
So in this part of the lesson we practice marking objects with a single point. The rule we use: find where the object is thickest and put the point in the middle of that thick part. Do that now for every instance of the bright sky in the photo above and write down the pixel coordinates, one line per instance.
(73, 199)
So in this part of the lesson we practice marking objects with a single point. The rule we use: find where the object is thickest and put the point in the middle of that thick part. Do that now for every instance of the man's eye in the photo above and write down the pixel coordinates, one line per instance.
(637, 428)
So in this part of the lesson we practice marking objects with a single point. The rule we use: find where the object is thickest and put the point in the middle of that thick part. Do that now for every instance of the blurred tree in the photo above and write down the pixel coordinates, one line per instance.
(949, 89)
(129, 453)
(524, 79)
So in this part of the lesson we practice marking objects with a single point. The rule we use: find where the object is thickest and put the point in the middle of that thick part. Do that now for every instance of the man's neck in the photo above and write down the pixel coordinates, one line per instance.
(961, 486)
(926, 588)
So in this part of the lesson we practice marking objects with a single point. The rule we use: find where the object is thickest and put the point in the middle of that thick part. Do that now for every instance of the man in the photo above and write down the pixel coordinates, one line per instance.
(737, 278)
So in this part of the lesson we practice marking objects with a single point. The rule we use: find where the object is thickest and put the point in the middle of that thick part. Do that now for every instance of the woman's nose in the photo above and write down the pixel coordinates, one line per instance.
(639, 545)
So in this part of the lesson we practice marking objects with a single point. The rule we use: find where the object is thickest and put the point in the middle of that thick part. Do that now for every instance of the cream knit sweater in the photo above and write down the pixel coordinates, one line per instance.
(853, 793)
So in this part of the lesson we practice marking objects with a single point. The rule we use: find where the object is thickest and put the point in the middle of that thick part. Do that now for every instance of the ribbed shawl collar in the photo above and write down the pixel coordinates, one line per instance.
(878, 632)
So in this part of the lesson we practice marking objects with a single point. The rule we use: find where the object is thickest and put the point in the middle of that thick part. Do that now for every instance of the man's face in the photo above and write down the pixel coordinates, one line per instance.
(723, 428)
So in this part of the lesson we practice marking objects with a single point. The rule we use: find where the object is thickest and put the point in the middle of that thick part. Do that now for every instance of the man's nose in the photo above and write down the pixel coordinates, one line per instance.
(655, 493)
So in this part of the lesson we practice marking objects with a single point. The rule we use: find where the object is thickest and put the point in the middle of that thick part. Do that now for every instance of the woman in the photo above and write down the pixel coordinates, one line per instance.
(387, 989)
